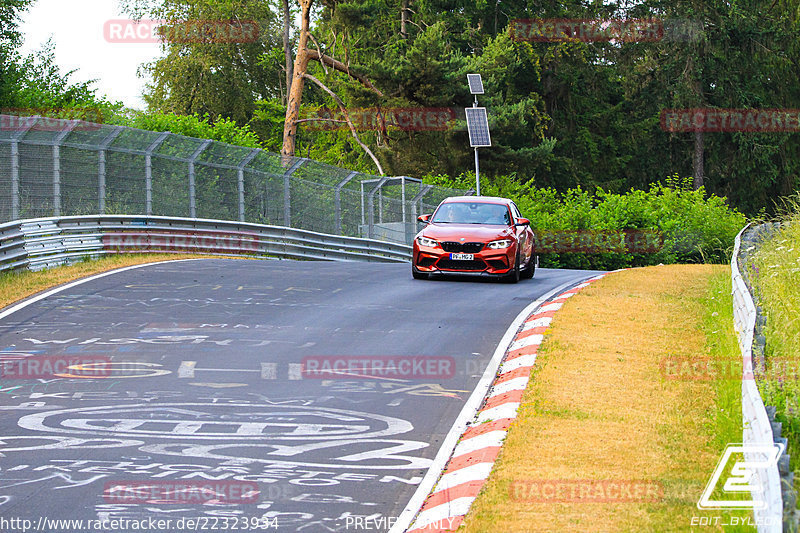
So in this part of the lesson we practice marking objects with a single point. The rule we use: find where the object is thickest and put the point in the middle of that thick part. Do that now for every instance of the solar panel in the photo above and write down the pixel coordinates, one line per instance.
(478, 127)
(475, 83)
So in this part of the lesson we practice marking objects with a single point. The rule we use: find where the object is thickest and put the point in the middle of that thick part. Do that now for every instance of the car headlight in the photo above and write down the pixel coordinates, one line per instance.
(424, 241)
(499, 245)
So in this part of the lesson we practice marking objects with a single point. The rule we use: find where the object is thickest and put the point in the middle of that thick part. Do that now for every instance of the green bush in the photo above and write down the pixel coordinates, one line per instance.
(693, 228)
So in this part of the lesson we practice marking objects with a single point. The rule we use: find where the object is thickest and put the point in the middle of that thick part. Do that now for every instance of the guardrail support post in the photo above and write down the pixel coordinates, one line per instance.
(148, 172)
(287, 191)
(246, 161)
(338, 200)
(57, 166)
(192, 188)
(101, 168)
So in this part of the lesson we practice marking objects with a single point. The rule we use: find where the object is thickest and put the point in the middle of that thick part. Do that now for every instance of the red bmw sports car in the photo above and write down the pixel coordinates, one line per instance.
(475, 235)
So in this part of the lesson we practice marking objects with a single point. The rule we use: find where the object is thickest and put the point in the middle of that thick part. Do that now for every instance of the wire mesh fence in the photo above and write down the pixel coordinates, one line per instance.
(54, 167)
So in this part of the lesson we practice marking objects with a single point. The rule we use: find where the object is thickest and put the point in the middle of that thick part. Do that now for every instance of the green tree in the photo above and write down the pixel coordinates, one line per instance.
(218, 75)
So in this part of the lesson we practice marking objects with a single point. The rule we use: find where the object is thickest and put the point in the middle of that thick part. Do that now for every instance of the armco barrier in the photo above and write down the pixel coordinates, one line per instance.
(45, 242)
(757, 429)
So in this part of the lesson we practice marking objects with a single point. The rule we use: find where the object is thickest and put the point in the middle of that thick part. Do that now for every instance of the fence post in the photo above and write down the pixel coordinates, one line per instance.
(423, 190)
(192, 188)
(371, 205)
(148, 172)
(246, 161)
(57, 165)
(101, 168)
(287, 191)
(403, 198)
(338, 200)
(15, 191)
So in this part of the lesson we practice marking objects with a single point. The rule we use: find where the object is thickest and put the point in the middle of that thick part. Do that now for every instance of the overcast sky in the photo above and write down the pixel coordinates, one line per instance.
(77, 30)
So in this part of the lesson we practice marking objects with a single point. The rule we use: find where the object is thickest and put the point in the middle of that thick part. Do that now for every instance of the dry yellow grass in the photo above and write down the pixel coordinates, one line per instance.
(598, 408)
(15, 286)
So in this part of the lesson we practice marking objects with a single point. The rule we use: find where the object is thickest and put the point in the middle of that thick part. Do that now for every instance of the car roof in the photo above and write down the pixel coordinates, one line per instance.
(478, 199)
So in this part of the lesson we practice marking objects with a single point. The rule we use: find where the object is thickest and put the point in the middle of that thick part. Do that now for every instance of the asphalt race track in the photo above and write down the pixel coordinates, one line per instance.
(188, 375)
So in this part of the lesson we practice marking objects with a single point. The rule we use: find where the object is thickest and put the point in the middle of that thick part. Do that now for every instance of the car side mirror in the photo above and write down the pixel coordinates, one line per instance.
(523, 222)
(424, 218)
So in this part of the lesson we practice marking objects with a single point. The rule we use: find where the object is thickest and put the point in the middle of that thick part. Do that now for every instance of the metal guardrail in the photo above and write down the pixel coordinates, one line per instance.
(757, 429)
(57, 167)
(46, 242)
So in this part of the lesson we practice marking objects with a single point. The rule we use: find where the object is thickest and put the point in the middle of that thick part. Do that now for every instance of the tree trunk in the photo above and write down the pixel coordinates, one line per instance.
(287, 46)
(298, 77)
(404, 20)
(697, 159)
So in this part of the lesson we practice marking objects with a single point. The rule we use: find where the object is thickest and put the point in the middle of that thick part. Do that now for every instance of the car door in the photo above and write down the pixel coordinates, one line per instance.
(524, 235)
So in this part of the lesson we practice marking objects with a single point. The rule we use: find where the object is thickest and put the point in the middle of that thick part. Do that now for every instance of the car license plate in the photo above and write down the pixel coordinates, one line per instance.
(462, 257)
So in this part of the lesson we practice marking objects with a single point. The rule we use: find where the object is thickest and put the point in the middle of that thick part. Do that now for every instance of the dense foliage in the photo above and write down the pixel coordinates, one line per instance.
(773, 271)
(692, 227)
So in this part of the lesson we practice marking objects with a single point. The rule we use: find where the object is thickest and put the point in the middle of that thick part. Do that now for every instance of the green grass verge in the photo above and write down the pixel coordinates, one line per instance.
(775, 272)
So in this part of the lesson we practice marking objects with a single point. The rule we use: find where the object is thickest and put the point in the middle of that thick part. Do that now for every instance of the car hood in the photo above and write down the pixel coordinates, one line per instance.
(469, 232)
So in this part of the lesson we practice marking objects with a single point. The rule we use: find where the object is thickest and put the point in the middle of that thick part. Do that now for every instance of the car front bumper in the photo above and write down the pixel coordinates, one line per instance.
(492, 262)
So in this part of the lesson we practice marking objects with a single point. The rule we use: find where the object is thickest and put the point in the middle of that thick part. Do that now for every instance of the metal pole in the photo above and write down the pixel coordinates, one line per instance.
(192, 188)
(380, 205)
(101, 181)
(423, 190)
(477, 171)
(243, 164)
(477, 175)
(287, 192)
(338, 200)
(14, 180)
(15, 190)
(101, 168)
(57, 166)
(403, 196)
(148, 173)
(363, 220)
(371, 206)
(56, 181)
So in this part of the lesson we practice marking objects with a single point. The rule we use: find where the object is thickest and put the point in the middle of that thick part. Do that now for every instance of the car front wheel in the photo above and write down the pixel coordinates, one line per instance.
(528, 271)
(514, 274)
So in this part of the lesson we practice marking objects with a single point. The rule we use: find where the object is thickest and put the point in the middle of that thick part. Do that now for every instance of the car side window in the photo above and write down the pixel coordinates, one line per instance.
(515, 210)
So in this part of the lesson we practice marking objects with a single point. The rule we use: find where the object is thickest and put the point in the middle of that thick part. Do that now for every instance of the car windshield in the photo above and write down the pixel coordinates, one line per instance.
(472, 213)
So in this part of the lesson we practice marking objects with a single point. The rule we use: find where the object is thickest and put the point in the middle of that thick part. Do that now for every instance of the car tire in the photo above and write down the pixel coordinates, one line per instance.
(418, 275)
(514, 275)
(528, 271)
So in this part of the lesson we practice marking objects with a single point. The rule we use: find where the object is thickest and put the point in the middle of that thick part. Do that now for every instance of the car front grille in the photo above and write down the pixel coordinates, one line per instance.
(448, 264)
(462, 247)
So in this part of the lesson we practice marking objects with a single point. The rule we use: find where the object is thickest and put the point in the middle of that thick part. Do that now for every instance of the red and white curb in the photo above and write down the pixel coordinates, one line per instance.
(478, 447)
